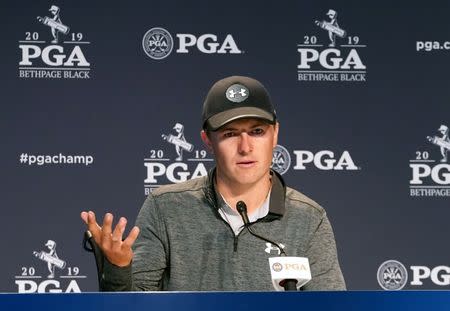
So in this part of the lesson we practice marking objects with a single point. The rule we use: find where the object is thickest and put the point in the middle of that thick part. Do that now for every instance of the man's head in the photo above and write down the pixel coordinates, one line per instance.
(240, 128)
(235, 98)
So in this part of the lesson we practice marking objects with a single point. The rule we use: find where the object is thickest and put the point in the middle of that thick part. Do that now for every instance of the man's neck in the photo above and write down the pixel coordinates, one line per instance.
(253, 195)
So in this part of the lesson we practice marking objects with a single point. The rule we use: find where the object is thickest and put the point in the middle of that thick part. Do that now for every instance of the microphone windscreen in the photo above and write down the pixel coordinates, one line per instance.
(241, 207)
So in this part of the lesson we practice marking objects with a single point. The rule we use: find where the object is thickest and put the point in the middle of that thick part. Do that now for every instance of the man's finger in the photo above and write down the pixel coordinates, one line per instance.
(84, 216)
(129, 241)
(93, 226)
(118, 231)
(106, 229)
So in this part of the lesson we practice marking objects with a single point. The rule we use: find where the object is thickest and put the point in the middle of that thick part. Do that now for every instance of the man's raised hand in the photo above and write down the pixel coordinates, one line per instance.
(117, 252)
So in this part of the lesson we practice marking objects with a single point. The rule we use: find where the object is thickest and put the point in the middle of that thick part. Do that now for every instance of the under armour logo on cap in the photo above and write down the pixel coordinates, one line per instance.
(237, 93)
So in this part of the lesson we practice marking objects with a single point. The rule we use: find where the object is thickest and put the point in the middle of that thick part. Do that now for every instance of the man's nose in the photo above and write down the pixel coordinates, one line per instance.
(245, 143)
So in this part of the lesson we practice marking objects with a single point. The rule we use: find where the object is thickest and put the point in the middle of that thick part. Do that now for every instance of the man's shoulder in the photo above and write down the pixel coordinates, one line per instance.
(192, 185)
(296, 199)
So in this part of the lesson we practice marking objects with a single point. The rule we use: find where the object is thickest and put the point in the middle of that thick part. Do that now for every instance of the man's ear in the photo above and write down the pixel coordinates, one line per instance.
(206, 141)
(275, 134)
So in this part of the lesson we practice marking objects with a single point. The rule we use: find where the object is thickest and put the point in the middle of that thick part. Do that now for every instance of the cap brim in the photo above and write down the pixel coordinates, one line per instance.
(222, 118)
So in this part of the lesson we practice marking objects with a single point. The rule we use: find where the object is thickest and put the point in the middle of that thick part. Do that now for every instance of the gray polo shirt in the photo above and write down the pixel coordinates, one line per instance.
(184, 245)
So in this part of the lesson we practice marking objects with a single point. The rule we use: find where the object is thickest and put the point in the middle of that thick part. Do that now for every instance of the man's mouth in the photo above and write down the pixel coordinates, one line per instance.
(246, 163)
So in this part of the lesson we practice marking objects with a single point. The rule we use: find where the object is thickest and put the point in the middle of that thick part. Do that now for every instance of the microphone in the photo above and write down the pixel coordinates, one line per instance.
(242, 210)
(288, 273)
(241, 207)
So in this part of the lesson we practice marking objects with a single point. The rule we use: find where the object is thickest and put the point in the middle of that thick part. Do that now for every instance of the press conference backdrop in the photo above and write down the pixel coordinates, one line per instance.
(96, 97)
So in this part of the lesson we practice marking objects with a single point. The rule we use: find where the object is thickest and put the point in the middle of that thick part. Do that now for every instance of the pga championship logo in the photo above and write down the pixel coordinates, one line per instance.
(393, 275)
(52, 51)
(430, 168)
(331, 54)
(281, 160)
(177, 161)
(158, 43)
(325, 160)
(57, 276)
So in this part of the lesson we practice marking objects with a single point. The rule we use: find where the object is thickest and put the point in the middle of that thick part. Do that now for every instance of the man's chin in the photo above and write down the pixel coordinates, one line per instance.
(247, 178)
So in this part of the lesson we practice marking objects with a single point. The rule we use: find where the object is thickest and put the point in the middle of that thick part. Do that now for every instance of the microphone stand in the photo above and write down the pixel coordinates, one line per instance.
(289, 285)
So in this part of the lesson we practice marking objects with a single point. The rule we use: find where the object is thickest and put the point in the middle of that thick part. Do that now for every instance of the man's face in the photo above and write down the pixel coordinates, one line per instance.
(243, 150)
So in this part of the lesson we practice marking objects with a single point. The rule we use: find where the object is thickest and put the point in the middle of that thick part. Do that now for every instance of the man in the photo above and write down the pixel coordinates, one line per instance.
(179, 128)
(332, 14)
(55, 32)
(443, 129)
(188, 236)
(52, 252)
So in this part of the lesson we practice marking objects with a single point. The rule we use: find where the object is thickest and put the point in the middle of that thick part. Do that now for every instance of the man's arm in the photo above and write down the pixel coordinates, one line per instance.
(145, 271)
(117, 252)
(151, 253)
(325, 270)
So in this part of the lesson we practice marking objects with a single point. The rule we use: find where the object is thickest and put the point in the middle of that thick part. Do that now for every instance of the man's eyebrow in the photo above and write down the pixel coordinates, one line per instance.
(228, 128)
(257, 124)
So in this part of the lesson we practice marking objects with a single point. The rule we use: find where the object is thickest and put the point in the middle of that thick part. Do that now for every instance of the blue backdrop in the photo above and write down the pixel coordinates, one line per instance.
(89, 88)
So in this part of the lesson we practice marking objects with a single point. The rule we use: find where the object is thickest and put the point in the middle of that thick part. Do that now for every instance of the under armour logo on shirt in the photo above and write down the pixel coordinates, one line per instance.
(270, 247)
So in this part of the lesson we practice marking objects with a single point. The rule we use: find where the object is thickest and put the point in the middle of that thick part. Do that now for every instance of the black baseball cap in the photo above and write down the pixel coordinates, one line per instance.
(235, 98)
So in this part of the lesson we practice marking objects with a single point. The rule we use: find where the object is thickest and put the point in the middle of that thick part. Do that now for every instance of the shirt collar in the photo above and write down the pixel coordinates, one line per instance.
(277, 193)
(260, 212)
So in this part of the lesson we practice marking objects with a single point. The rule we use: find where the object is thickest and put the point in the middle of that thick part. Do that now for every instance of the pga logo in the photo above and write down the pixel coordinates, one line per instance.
(324, 160)
(47, 286)
(440, 174)
(439, 275)
(52, 55)
(29, 282)
(189, 162)
(330, 59)
(175, 172)
(392, 275)
(158, 43)
(207, 43)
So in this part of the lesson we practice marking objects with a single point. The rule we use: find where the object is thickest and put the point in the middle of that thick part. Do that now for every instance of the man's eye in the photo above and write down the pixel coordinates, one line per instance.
(228, 134)
(257, 131)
